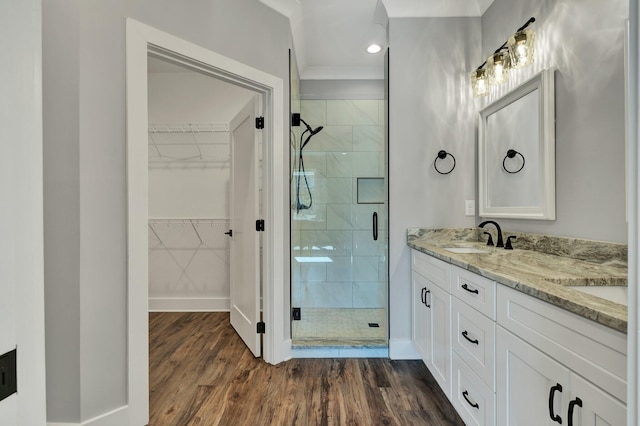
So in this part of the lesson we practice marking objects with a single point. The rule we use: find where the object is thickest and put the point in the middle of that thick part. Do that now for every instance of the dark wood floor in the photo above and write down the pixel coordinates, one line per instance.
(202, 374)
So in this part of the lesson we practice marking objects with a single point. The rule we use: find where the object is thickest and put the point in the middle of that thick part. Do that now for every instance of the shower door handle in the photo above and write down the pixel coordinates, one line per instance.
(375, 226)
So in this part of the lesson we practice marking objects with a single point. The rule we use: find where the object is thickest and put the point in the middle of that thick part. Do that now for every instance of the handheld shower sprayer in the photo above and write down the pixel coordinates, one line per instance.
(295, 121)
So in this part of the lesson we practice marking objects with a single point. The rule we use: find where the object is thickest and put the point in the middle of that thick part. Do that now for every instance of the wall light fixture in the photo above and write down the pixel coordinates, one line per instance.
(516, 52)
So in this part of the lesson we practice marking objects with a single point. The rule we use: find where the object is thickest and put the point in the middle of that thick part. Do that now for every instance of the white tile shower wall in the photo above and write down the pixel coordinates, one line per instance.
(351, 145)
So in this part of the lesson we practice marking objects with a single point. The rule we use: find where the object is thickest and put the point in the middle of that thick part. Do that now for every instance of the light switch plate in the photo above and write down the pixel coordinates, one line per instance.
(8, 382)
(469, 207)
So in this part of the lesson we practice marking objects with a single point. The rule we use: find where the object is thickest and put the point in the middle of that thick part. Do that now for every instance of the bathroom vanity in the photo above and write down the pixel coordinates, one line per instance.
(511, 336)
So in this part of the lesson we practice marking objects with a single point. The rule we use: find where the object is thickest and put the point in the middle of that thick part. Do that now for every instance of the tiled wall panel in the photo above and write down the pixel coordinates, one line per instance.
(339, 265)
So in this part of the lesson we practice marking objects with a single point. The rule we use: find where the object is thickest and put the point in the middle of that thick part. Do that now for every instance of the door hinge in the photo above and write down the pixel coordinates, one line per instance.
(260, 225)
(260, 328)
(259, 122)
(296, 314)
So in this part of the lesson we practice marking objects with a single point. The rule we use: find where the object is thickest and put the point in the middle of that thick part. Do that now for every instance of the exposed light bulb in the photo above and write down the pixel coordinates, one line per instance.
(499, 65)
(483, 89)
(479, 83)
(521, 48)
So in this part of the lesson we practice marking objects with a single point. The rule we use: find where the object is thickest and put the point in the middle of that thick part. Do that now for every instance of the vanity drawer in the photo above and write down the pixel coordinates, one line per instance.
(474, 339)
(477, 291)
(433, 269)
(474, 401)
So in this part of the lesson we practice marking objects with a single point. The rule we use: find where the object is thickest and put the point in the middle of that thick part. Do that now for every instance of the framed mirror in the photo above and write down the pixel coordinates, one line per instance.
(516, 152)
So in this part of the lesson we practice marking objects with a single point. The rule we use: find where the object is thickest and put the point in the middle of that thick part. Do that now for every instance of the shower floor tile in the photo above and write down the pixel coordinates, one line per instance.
(340, 327)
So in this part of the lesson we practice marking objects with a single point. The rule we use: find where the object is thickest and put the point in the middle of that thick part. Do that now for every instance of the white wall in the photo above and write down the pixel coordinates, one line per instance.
(21, 246)
(61, 117)
(584, 41)
(84, 76)
(430, 109)
(198, 188)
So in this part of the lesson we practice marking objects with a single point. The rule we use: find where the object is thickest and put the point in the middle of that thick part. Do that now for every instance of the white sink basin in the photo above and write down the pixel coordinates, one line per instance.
(617, 294)
(464, 250)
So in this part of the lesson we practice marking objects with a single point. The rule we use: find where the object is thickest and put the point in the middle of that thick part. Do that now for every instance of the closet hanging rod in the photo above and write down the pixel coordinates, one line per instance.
(188, 127)
(185, 221)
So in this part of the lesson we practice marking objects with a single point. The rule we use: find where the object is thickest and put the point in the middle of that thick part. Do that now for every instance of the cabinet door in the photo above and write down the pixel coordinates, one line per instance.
(531, 387)
(591, 406)
(418, 328)
(439, 336)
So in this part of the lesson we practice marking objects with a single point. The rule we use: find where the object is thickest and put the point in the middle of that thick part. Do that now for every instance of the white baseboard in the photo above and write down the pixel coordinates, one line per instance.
(340, 352)
(117, 417)
(402, 349)
(186, 304)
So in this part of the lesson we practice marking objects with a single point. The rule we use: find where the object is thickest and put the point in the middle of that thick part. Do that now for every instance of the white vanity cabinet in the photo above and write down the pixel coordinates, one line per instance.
(504, 357)
(432, 316)
(554, 367)
(534, 389)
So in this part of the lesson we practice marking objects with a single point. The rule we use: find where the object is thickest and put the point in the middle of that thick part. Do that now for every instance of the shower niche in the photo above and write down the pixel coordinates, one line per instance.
(370, 190)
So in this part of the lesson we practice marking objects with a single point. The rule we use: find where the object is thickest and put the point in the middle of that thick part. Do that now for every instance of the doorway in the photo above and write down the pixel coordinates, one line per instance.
(142, 40)
(189, 169)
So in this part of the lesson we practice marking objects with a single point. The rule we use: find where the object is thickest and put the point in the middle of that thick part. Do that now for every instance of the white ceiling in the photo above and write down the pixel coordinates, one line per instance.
(330, 36)
(180, 94)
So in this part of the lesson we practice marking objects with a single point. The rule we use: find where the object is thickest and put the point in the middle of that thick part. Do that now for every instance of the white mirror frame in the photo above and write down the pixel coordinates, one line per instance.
(544, 83)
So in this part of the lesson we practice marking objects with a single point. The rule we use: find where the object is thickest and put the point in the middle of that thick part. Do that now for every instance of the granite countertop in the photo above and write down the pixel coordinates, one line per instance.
(540, 266)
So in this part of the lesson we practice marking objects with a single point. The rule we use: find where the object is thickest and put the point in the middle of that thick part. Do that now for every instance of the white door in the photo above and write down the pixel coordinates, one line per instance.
(439, 335)
(532, 389)
(591, 406)
(245, 240)
(419, 337)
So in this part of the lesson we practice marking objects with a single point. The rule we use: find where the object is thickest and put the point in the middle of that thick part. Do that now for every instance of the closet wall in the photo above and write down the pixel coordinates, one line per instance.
(189, 187)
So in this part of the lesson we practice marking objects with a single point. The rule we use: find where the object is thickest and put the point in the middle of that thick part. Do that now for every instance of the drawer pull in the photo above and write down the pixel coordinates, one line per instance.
(474, 290)
(572, 405)
(427, 304)
(552, 391)
(474, 405)
(465, 334)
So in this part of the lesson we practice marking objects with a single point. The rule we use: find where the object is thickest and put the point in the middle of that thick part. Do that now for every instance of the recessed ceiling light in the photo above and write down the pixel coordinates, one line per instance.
(374, 48)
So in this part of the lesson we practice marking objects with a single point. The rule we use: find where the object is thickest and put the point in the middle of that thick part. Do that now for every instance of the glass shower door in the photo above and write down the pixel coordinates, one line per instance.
(338, 225)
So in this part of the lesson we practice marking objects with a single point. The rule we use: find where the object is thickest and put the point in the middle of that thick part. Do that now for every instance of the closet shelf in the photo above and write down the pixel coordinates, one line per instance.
(189, 142)
(188, 127)
(176, 234)
(188, 253)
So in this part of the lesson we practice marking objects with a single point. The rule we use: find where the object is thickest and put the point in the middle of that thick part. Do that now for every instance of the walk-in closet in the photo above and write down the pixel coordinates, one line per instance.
(189, 151)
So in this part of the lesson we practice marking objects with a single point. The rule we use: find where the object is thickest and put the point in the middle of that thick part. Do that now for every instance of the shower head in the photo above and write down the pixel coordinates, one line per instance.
(312, 131)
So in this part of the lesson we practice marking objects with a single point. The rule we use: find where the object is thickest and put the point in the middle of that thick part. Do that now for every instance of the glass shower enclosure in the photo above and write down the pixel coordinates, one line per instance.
(339, 216)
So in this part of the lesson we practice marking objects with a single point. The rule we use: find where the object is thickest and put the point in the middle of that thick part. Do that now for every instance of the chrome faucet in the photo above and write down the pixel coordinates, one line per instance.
(500, 242)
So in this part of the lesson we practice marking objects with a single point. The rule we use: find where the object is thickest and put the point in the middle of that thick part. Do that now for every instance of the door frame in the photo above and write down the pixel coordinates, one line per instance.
(140, 41)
